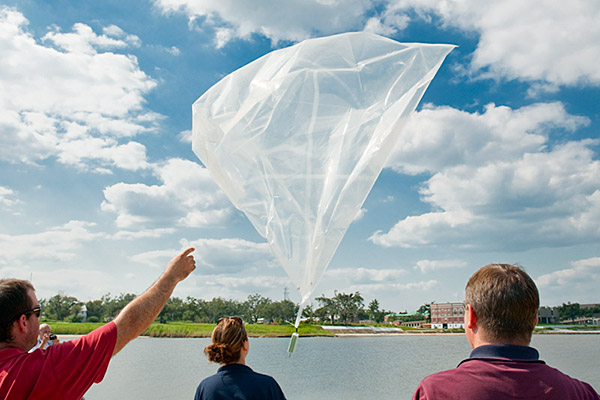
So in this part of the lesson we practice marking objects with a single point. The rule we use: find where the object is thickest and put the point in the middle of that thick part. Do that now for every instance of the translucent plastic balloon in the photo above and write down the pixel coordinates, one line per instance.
(297, 138)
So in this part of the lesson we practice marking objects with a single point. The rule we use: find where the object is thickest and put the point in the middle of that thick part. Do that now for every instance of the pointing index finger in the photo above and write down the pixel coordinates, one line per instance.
(187, 252)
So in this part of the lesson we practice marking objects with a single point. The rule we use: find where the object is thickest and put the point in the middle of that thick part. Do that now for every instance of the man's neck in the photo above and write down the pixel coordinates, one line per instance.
(480, 341)
(6, 345)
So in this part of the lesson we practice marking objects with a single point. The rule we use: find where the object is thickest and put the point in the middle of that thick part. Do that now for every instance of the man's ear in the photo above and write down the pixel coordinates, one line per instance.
(470, 317)
(20, 325)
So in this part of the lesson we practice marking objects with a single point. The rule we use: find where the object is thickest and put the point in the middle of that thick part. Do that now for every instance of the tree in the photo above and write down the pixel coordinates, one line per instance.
(281, 311)
(308, 312)
(195, 310)
(569, 311)
(425, 311)
(114, 305)
(373, 309)
(219, 308)
(255, 307)
(172, 311)
(328, 309)
(348, 306)
(375, 313)
(95, 311)
(59, 307)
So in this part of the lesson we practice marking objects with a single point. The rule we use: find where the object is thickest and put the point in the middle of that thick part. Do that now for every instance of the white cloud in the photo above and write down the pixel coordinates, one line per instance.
(55, 244)
(374, 288)
(227, 256)
(360, 214)
(552, 41)
(185, 136)
(236, 287)
(562, 46)
(8, 197)
(497, 178)
(230, 268)
(387, 24)
(440, 137)
(116, 32)
(426, 266)
(292, 20)
(581, 272)
(364, 275)
(61, 94)
(581, 277)
(146, 233)
(187, 196)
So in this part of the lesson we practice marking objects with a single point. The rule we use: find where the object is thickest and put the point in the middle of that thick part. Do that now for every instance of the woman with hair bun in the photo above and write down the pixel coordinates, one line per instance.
(234, 380)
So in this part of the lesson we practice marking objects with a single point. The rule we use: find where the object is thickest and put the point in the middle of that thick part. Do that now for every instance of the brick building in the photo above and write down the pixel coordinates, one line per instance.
(447, 315)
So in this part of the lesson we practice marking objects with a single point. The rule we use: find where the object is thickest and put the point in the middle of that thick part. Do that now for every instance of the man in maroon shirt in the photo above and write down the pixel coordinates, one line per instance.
(66, 370)
(502, 302)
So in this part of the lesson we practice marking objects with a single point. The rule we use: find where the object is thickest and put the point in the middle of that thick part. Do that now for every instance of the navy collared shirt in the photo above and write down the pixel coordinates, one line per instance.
(505, 352)
(238, 381)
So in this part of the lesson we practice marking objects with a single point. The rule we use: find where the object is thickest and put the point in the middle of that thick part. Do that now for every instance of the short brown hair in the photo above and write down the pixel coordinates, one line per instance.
(14, 300)
(505, 301)
(228, 338)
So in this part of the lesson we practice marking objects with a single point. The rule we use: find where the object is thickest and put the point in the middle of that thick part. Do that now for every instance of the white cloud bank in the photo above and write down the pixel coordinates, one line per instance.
(581, 277)
(581, 272)
(186, 197)
(497, 178)
(562, 42)
(62, 97)
(553, 41)
(56, 244)
(292, 20)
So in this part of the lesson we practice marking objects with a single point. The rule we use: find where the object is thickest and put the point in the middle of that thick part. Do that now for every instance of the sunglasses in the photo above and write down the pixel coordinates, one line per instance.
(37, 310)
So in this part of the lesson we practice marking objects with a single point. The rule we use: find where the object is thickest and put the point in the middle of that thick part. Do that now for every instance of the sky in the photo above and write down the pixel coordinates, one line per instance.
(99, 187)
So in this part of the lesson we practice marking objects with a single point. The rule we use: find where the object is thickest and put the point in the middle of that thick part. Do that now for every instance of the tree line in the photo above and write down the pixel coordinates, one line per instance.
(572, 311)
(342, 308)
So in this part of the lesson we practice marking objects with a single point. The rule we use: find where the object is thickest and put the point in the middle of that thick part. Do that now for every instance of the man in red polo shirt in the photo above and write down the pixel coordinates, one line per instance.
(66, 370)
(502, 302)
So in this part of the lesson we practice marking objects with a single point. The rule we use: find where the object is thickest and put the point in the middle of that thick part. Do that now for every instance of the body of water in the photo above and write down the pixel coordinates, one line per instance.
(388, 367)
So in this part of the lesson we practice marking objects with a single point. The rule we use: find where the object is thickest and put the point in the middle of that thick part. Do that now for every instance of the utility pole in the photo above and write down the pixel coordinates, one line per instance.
(285, 293)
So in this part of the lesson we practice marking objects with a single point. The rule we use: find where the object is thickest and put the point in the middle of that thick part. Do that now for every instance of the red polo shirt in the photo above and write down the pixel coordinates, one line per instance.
(503, 372)
(63, 371)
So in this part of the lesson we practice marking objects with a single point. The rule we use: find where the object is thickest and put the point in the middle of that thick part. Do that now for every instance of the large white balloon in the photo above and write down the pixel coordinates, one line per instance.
(297, 138)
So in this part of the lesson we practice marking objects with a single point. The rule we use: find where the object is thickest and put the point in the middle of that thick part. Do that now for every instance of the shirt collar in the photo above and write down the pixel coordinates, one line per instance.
(507, 351)
(234, 367)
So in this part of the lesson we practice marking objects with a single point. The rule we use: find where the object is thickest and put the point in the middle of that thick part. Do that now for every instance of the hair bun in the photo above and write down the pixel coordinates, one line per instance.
(219, 353)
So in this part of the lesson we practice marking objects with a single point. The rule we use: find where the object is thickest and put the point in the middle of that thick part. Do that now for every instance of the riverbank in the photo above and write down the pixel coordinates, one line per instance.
(182, 329)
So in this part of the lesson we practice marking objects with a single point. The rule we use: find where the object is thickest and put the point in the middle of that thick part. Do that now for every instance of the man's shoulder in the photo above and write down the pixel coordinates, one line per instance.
(560, 378)
(480, 376)
(444, 375)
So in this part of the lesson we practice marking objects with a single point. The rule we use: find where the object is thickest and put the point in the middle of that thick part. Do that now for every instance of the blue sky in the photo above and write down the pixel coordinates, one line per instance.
(99, 187)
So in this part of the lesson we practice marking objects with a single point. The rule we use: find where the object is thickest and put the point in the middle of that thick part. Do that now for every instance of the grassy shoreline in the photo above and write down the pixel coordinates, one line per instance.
(188, 329)
(191, 330)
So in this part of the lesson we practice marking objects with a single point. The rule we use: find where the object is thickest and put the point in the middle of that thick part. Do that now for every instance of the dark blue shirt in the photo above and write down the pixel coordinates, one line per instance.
(237, 381)
(506, 352)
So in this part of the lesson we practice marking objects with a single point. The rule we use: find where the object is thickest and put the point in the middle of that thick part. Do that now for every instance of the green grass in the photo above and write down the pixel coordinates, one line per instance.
(188, 329)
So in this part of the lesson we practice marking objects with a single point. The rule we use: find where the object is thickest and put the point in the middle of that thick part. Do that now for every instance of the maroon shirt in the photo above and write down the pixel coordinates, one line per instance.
(63, 371)
(502, 372)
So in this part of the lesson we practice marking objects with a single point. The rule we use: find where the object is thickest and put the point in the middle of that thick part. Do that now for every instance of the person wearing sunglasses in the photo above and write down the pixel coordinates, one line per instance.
(66, 370)
(234, 379)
